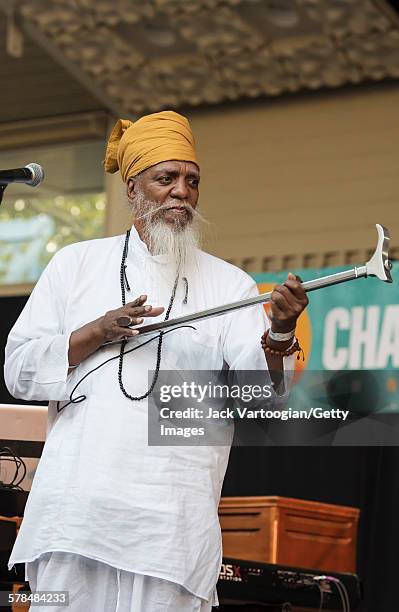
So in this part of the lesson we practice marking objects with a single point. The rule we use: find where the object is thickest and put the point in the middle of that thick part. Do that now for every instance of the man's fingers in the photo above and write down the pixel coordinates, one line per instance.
(293, 283)
(124, 332)
(135, 311)
(138, 301)
(296, 289)
(147, 311)
(277, 312)
(139, 308)
(283, 309)
(284, 297)
(144, 311)
(285, 304)
(293, 276)
(131, 315)
(127, 321)
(293, 305)
(154, 312)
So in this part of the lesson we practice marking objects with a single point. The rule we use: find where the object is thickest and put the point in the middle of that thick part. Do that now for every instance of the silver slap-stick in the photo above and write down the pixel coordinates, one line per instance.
(379, 265)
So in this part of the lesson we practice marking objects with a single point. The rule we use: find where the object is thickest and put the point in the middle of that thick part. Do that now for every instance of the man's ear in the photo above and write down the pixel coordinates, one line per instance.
(131, 184)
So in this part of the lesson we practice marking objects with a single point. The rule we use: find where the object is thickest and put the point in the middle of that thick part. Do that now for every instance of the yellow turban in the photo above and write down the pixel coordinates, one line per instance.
(135, 146)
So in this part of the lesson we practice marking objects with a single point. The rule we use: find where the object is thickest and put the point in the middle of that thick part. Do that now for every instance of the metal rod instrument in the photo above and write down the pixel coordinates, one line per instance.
(379, 266)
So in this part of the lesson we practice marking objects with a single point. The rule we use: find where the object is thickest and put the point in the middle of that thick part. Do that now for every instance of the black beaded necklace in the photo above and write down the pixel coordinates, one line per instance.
(125, 285)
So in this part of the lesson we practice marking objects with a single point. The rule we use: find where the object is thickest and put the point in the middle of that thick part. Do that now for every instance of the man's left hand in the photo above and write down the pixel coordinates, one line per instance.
(287, 302)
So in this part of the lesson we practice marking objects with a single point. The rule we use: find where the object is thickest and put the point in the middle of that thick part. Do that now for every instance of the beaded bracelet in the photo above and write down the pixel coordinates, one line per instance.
(295, 348)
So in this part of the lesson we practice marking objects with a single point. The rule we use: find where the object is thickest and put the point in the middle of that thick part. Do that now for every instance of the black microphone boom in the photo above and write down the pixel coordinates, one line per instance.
(32, 175)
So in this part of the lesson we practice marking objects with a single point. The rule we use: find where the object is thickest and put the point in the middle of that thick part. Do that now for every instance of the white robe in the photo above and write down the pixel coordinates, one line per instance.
(100, 490)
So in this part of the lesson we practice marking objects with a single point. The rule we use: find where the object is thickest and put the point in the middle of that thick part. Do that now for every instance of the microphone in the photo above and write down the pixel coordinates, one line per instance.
(32, 175)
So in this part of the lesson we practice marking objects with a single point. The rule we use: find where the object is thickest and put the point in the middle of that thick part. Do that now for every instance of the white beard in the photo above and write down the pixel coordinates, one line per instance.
(179, 240)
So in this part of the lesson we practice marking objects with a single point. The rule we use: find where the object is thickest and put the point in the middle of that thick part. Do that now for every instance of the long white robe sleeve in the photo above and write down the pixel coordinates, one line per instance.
(36, 354)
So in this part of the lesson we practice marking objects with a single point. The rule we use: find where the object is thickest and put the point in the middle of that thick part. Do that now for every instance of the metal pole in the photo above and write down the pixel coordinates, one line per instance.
(379, 266)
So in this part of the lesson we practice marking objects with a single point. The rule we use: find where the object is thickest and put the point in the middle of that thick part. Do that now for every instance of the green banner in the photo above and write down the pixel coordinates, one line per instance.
(350, 336)
(350, 326)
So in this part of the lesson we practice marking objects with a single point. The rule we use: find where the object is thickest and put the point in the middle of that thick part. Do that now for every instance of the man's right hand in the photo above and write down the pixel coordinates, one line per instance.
(88, 338)
(109, 327)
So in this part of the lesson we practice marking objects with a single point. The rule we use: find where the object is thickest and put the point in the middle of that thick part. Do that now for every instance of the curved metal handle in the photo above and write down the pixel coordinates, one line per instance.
(380, 264)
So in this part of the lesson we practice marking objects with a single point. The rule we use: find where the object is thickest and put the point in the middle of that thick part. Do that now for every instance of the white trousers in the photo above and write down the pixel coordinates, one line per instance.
(98, 587)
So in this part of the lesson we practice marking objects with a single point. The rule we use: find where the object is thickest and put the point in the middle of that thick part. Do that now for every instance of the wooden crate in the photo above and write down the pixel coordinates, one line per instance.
(290, 531)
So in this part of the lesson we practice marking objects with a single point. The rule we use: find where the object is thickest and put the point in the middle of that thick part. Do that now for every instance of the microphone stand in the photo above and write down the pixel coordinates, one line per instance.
(2, 188)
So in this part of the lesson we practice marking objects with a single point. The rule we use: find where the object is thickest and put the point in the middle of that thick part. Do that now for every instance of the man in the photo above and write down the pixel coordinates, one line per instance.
(120, 524)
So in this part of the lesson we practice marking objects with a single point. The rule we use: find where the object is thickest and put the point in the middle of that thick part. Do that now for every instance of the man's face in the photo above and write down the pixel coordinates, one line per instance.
(174, 185)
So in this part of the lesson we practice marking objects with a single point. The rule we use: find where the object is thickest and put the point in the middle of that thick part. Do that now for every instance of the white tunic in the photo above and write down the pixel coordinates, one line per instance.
(100, 490)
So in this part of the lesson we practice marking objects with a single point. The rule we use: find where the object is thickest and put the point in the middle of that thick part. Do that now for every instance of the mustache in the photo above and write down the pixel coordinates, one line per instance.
(192, 212)
(156, 209)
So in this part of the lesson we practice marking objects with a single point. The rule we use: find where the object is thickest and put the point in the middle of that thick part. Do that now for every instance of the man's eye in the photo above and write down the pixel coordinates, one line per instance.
(164, 179)
(194, 182)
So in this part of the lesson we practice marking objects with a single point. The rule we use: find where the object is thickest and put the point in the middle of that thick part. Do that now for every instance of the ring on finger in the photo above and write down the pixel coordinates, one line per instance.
(124, 321)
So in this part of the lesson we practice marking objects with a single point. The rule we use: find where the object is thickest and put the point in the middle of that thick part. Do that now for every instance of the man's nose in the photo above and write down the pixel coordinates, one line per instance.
(180, 189)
